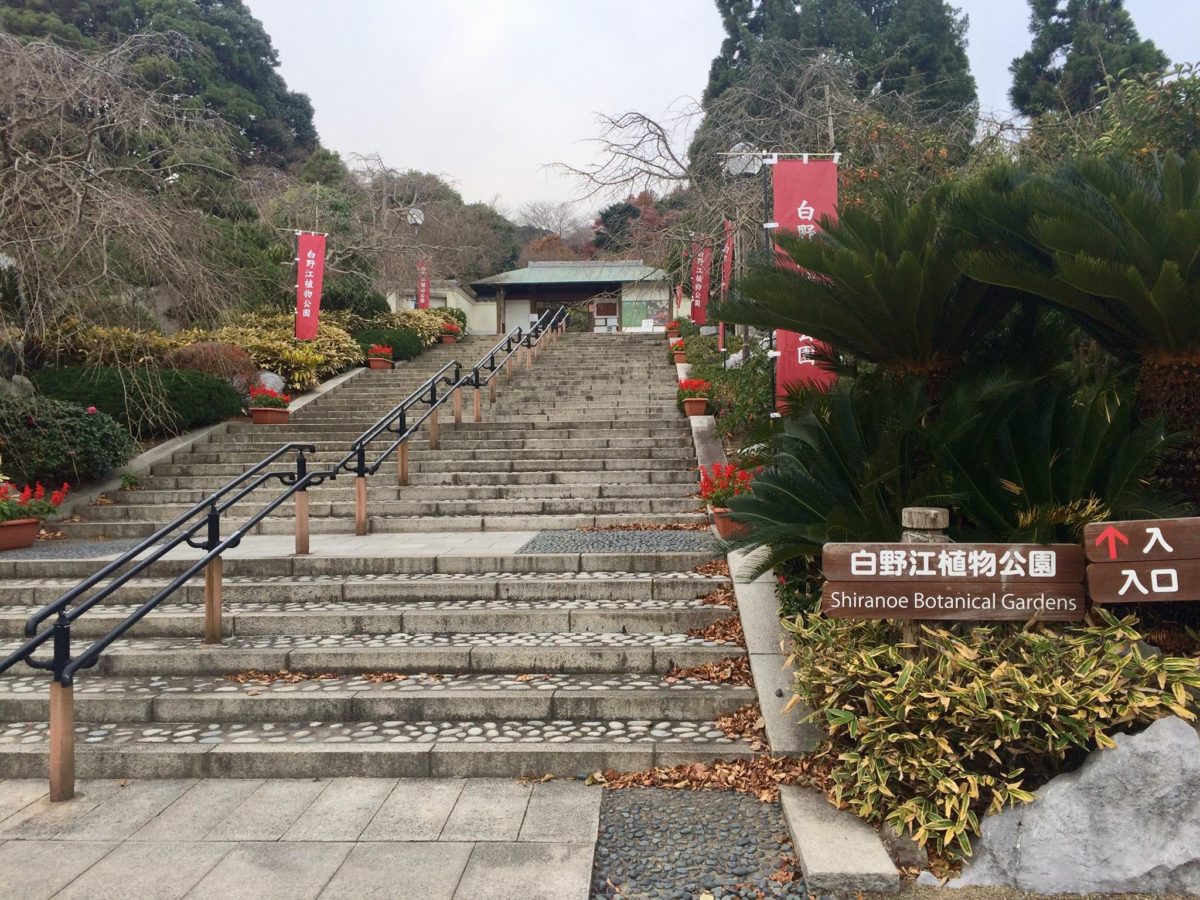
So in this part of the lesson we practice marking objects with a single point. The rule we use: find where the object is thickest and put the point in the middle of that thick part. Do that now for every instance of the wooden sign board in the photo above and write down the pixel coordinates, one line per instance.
(983, 582)
(1147, 561)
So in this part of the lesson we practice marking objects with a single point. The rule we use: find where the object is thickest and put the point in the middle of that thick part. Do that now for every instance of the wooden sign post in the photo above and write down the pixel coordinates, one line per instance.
(1143, 561)
(986, 582)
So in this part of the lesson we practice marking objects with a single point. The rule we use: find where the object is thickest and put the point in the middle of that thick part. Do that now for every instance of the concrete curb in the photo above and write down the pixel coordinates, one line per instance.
(838, 852)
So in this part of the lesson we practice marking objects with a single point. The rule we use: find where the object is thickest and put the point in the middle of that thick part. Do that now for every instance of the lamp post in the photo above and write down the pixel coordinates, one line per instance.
(416, 218)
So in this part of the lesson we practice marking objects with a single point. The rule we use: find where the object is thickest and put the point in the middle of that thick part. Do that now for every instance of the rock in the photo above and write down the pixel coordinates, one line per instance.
(271, 380)
(928, 879)
(1128, 820)
(23, 385)
(904, 851)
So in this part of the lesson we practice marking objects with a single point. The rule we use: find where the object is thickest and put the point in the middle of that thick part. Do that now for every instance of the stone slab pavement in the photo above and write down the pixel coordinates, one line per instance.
(432, 839)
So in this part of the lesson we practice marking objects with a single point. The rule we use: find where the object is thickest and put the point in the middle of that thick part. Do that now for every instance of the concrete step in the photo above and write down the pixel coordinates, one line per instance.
(392, 748)
(550, 458)
(350, 698)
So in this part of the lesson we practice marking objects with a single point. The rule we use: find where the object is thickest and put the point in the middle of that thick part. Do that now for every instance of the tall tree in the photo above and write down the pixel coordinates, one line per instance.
(225, 61)
(747, 24)
(1076, 44)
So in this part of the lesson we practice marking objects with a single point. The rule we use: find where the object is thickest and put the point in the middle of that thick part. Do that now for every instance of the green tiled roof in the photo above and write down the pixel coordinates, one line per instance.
(599, 271)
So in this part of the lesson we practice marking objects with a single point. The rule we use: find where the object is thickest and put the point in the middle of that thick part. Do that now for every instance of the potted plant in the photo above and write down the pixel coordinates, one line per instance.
(269, 407)
(679, 352)
(379, 357)
(672, 330)
(21, 513)
(693, 396)
(718, 484)
(450, 333)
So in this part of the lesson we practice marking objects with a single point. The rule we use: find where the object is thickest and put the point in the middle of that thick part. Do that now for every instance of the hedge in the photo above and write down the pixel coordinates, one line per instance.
(53, 441)
(149, 402)
(404, 344)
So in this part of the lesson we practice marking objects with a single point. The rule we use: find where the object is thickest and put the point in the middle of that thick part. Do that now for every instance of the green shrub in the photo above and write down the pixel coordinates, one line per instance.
(404, 344)
(149, 402)
(458, 315)
(930, 741)
(52, 441)
(225, 361)
(577, 319)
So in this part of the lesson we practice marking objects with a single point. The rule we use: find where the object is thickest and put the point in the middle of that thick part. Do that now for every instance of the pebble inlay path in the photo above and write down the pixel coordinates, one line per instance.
(620, 542)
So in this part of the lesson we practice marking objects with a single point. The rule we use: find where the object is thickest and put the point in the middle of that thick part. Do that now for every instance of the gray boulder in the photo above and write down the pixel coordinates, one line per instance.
(18, 387)
(271, 380)
(1128, 820)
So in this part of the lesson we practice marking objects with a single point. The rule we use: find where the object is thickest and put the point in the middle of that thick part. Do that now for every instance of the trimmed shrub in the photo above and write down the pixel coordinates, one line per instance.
(100, 345)
(458, 315)
(149, 402)
(52, 441)
(404, 344)
(225, 361)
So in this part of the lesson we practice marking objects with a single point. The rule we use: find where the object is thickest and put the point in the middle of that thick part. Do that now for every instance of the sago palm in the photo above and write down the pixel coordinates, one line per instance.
(888, 289)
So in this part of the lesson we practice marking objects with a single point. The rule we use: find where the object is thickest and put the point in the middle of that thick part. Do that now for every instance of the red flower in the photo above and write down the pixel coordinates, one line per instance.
(91, 410)
(39, 492)
(694, 384)
(450, 328)
(380, 350)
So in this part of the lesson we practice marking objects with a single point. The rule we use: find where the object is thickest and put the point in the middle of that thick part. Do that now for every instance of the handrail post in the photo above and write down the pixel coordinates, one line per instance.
(433, 417)
(360, 491)
(301, 500)
(62, 717)
(213, 571)
(492, 390)
(478, 401)
(458, 406)
(402, 456)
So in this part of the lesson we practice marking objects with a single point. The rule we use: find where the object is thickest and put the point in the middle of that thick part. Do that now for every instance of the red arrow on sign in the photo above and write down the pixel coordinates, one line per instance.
(1111, 535)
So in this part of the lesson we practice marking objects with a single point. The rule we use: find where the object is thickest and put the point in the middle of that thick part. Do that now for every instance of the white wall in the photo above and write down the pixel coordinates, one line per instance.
(481, 316)
(516, 312)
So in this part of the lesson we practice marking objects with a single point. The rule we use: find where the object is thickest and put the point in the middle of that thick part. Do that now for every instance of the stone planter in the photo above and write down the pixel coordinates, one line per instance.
(680, 357)
(18, 533)
(378, 362)
(728, 529)
(449, 339)
(695, 406)
(268, 415)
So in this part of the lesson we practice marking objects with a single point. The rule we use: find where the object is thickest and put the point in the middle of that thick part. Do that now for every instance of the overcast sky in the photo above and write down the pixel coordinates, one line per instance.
(488, 92)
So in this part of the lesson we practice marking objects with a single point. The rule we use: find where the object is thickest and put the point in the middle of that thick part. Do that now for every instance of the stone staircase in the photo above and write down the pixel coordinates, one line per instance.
(429, 652)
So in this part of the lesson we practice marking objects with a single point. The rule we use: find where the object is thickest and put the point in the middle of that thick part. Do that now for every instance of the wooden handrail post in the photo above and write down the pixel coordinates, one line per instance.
(212, 600)
(458, 406)
(492, 390)
(301, 522)
(528, 358)
(360, 505)
(478, 399)
(402, 463)
(508, 368)
(62, 742)
(433, 430)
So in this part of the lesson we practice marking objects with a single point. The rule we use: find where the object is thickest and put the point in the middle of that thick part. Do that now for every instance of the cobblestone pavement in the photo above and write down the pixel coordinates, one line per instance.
(619, 542)
(688, 845)
(425, 839)
(73, 549)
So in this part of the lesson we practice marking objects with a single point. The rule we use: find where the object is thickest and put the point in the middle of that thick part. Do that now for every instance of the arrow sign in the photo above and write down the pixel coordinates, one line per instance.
(1111, 535)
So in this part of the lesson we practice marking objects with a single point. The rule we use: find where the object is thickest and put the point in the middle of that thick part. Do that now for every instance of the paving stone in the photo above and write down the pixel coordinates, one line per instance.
(507, 871)
(146, 871)
(342, 810)
(126, 811)
(269, 812)
(415, 810)
(488, 809)
(198, 811)
(16, 794)
(399, 871)
(272, 871)
(43, 819)
(562, 811)
(35, 870)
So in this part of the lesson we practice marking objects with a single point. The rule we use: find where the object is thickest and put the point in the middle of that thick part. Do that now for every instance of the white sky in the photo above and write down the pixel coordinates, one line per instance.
(488, 92)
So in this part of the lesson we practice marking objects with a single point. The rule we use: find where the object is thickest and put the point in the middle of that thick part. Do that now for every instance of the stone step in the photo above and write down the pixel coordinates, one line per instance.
(323, 458)
(244, 619)
(586, 476)
(559, 587)
(452, 442)
(350, 698)
(492, 652)
(392, 748)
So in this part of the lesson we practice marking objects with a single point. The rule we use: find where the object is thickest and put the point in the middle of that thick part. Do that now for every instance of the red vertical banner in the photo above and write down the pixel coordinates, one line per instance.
(423, 284)
(727, 259)
(701, 282)
(805, 191)
(310, 275)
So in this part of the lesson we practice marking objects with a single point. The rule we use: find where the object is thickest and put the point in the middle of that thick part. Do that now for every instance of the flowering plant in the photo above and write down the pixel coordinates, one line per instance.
(673, 325)
(266, 398)
(450, 328)
(720, 482)
(379, 351)
(29, 502)
(694, 387)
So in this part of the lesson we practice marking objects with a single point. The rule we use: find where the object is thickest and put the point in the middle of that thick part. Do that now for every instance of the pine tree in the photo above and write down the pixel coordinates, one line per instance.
(747, 24)
(1076, 44)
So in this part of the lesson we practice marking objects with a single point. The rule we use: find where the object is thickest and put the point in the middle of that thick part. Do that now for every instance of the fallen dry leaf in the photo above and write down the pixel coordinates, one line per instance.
(731, 670)
(728, 631)
(713, 567)
(723, 596)
(760, 776)
(648, 526)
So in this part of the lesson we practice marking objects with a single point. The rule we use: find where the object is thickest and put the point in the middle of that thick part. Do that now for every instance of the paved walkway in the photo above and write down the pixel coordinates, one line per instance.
(426, 839)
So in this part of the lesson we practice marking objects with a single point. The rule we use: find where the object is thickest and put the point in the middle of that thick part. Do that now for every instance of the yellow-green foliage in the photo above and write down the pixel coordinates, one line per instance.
(930, 740)
(269, 341)
(424, 323)
(99, 345)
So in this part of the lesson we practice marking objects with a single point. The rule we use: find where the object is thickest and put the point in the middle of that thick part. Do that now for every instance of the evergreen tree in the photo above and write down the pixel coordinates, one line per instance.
(747, 24)
(1076, 43)
(229, 65)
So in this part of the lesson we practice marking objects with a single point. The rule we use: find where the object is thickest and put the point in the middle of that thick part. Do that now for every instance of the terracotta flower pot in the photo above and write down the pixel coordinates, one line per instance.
(672, 335)
(728, 529)
(268, 415)
(379, 362)
(695, 406)
(449, 339)
(19, 533)
(680, 357)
